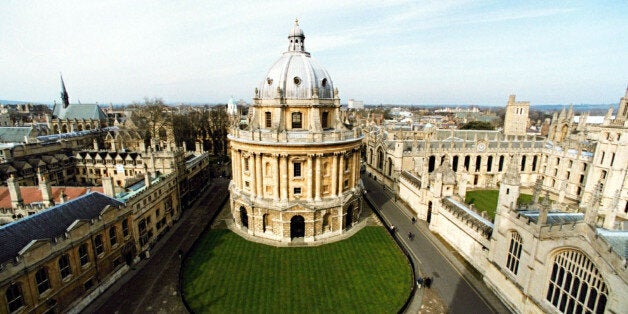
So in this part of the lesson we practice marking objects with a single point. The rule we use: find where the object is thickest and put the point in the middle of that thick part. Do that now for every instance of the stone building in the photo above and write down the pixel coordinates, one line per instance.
(296, 164)
(516, 119)
(68, 117)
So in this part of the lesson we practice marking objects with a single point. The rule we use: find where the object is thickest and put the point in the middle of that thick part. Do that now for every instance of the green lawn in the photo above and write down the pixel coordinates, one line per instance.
(486, 200)
(366, 273)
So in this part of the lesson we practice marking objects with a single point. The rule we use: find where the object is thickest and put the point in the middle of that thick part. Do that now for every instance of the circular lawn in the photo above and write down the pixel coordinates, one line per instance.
(366, 273)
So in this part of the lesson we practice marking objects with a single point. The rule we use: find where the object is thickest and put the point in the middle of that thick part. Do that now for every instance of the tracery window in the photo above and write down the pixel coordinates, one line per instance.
(576, 285)
(15, 299)
(41, 278)
(514, 252)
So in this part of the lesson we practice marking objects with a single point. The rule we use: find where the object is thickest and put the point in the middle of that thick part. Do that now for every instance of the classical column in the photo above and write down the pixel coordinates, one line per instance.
(318, 178)
(252, 173)
(308, 178)
(284, 176)
(276, 174)
(334, 174)
(341, 171)
(259, 175)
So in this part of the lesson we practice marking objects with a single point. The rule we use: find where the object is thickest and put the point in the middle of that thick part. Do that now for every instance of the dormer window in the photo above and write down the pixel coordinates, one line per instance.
(296, 120)
(297, 81)
(269, 81)
(324, 82)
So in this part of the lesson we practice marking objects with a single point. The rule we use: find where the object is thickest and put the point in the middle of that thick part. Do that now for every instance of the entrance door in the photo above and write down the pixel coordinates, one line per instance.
(244, 218)
(429, 212)
(297, 227)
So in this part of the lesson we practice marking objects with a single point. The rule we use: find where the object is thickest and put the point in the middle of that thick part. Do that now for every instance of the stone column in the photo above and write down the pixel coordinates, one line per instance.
(259, 178)
(341, 171)
(334, 174)
(283, 168)
(318, 177)
(308, 179)
(276, 173)
(252, 172)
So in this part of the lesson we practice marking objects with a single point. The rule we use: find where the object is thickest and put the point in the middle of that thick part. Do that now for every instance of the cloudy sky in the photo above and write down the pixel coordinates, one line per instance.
(402, 52)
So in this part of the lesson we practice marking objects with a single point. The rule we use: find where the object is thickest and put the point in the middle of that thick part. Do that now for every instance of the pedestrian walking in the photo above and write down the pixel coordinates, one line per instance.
(427, 281)
(419, 282)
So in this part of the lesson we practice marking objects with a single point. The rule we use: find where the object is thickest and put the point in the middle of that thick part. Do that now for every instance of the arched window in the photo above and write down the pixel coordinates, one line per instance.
(268, 119)
(523, 163)
(15, 300)
(268, 169)
(99, 245)
(390, 166)
(489, 164)
(83, 254)
(64, 266)
(575, 284)
(296, 120)
(514, 252)
(500, 165)
(431, 164)
(325, 120)
(454, 163)
(380, 159)
(42, 280)
(125, 228)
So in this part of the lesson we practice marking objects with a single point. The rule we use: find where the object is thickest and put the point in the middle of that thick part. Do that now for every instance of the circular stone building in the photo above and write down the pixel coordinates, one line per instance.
(296, 166)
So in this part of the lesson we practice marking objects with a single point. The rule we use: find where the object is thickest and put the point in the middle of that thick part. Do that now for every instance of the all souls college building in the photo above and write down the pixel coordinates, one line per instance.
(296, 165)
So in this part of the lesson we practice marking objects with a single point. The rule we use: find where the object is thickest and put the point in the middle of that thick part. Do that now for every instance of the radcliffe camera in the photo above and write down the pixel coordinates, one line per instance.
(324, 157)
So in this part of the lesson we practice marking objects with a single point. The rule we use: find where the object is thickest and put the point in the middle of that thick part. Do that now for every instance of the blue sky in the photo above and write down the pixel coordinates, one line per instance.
(401, 52)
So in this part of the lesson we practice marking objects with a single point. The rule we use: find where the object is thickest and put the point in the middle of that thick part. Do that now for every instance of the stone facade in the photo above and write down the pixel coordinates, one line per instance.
(296, 165)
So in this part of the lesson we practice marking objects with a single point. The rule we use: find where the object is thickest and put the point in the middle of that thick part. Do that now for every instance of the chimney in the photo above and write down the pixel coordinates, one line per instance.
(107, 186)
(62, 197)
(14, 192)
(147, 180)
(544, 210)
(46, 191)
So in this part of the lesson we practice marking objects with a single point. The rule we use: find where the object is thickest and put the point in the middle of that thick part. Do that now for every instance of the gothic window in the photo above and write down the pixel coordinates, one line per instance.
(455, 163)
(64, 266)
(83, 254)
(296, 120)
(99, 245)
(324, 120)
(268, 116)
(390, 167)
(431, 163)
(380, 159)
(478, 163)
(500, 166)
(297, 169)
(467, 161)
(113, 238)
(523, 163)
(575, 284)
(15, 299)
(42, 280)
(534, 160)
(514, 252)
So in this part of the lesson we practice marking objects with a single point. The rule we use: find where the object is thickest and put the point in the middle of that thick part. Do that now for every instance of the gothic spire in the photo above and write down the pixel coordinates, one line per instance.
(64, 94)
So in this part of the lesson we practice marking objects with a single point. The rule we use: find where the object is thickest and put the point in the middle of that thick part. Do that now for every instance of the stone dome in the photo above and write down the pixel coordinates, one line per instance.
(296, 75)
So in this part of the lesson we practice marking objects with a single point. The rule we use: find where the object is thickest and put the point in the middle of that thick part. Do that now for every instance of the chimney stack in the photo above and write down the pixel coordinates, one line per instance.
(46, 190)
(15, 193)
(107, 186)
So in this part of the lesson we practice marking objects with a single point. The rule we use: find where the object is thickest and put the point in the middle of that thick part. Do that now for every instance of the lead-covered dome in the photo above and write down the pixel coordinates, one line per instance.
(296, 75)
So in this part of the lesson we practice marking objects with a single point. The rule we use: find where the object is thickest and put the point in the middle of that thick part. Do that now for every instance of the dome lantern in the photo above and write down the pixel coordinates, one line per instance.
(297, 38)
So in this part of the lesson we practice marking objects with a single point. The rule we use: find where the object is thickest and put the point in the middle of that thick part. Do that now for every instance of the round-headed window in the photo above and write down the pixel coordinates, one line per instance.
(297, 80)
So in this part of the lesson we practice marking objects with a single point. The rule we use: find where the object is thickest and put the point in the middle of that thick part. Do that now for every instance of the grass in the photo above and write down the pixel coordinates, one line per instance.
(486, 200)
(366, 273)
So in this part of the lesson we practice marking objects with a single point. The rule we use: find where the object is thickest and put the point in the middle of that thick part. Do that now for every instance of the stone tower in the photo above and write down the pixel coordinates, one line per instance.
(516, 120)
(296, 165)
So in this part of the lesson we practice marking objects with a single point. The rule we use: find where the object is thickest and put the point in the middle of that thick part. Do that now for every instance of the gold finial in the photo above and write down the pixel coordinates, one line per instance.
(296, 22)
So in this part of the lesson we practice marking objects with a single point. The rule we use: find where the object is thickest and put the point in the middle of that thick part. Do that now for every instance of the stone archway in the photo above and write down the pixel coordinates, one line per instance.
(297, 227)
(349, 217)
(244, 217)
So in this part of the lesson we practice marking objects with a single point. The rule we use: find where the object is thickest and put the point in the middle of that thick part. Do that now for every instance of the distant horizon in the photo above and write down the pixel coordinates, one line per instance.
(402, 51)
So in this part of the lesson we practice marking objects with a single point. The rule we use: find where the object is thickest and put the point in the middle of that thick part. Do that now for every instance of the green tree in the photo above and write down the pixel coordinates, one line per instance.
(477, 125)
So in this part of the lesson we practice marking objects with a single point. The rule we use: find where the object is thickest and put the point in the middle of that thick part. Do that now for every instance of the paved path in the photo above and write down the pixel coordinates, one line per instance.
(458, 284)
(152, 287)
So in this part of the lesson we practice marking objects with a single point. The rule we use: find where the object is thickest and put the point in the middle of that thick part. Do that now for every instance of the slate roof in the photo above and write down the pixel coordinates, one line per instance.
(15, 134)
(617, 239)
(553, 218)
(50, 223)
(79, 111)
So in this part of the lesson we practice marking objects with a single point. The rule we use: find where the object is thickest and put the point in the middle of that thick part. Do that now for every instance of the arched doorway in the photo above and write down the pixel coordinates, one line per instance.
(244, 218)
(429, 212)
(349, 217)
(297, 227)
